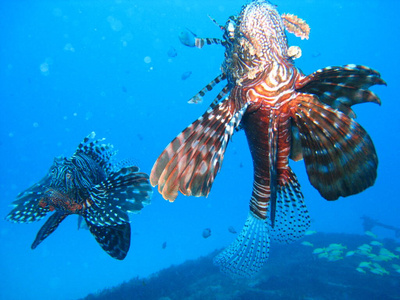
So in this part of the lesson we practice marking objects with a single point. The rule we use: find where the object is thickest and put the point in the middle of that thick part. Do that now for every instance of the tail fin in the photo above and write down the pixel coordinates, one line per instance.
(124, 191)
(248, 253)
(339, 155)
(291, 215)
(342, 87)
(48, 228)
(191, 161)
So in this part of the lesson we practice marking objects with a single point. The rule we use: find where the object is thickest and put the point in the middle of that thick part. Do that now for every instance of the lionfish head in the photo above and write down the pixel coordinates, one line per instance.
(254, 39)
(263, 29)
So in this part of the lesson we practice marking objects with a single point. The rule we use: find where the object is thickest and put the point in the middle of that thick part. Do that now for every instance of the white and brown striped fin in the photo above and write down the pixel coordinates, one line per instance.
(342, 87)
(48, 228)
(225, 91)
(198, 98)
(339, 155)
(191, 161)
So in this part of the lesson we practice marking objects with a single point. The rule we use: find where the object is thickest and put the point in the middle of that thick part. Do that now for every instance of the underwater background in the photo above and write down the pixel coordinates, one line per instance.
(68, 68)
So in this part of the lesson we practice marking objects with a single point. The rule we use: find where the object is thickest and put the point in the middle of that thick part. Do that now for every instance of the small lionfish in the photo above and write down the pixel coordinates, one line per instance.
(285, 114)
(93, 186)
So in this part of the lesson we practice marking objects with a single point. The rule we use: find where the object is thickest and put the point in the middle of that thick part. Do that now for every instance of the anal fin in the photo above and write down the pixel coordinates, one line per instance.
(291, 215)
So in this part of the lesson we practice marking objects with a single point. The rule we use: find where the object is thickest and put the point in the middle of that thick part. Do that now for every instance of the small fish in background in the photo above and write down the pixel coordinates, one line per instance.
(378, 269)
(364, 248)
(124, 89)
(376, 243)
(370, 234)
(93, 186)
(188, 38)
(308, 244)
(206, 233)
(365, 264)
(396, 267)
(231, 229)
(333, 247)
(383, 252)
(195, 100)
(310, 232)
(172, 52)
(186, 75)
(361, 270)
(164, 245)
(319, 250)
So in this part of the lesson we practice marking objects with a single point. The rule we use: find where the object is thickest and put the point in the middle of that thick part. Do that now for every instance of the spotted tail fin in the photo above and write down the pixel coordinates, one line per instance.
(191, 161)
(115, 240)
(126, 190)
(248, 253)
(48, 228)
(339, 155)
(291, 215)
(342, 87)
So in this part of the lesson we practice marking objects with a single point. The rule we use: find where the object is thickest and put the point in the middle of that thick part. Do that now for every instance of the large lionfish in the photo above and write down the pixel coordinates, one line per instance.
(284, 114)
(95, 187)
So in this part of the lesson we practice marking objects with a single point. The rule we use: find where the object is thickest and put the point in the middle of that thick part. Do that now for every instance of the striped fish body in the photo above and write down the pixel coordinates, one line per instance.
(284, 114)
(95, 187)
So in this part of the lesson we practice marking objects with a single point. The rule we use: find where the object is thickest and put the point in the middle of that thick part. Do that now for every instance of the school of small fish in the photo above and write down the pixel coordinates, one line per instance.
(373, 253)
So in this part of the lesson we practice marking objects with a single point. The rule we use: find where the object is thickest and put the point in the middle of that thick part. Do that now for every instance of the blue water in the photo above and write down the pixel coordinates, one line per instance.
(68, 68)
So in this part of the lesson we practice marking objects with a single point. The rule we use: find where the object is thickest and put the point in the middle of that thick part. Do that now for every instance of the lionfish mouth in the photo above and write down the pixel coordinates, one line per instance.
(57, 195)
(262, 26)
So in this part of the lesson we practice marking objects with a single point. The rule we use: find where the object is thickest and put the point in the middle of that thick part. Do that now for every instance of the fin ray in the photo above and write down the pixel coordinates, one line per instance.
(27, 208)
(124, 191)
(191, 161)
(248, 253)
(115, 240)
(342, 87)
(291, 218)
(339, 155)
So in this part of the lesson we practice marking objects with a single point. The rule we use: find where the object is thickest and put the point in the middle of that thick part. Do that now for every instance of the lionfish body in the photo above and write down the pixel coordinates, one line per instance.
(284, 114)
(91, 185)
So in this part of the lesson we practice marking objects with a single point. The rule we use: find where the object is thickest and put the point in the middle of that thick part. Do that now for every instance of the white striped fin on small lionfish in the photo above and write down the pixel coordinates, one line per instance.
(95, 187)
(285, 114)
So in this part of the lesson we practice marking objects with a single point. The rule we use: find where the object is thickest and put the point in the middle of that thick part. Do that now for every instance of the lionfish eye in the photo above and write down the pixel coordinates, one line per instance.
(68, 175)
(231, 29)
